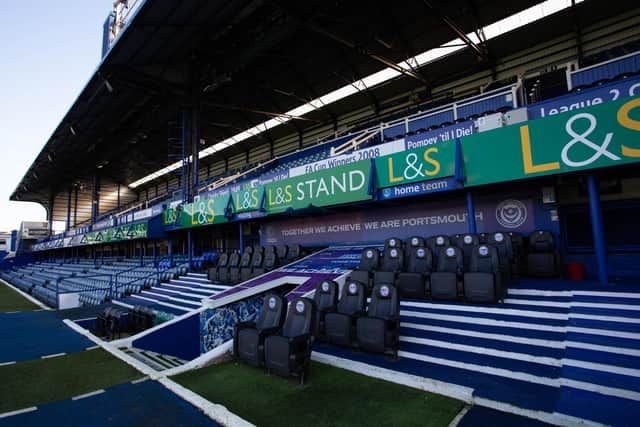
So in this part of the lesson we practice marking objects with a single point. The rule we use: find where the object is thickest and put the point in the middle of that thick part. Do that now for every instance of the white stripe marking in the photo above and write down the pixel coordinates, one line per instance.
(166, 304)
(602, 367)
(630, 307)
(7, 363)
(488, 310)
(548, 361)
(93, 347)
(18, 412)
(84, 396)
(139, 380)
(184, 301)
(556, 304)
(454, 422)
(605, 348)
(539, 292)
(187, 288)
(50, 356)
(604, 318)
(604, 332)
(486, 335)
(186, 294)
(521, 376)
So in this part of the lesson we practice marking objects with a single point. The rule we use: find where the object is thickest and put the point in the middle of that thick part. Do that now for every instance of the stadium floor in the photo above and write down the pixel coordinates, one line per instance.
(145, 403)
(33, 334)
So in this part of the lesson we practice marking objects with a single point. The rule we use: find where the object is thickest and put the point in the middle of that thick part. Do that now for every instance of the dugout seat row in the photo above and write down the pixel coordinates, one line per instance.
(255, 261)
(281, 344)
(350, 322)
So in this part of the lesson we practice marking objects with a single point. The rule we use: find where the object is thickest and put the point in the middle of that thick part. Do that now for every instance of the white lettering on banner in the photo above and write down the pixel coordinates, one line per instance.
(315, 188)
(446, 135)
(614, 94)
(599, 150)
(345, 159)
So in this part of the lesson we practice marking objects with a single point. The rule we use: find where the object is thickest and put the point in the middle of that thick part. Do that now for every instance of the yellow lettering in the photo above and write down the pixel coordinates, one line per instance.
(391, 177)
(434, 162)
(269, 199)
(192, 214)
(254, 197)
(527, 157)
(629, 123)
(287, 192)
(210, 210)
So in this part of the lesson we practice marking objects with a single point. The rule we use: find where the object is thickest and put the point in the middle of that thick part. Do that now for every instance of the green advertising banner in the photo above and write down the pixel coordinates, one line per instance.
(420, 164)
(248, 199)
(334, 186)
(116, 234)
(203, 212)
(601, 136)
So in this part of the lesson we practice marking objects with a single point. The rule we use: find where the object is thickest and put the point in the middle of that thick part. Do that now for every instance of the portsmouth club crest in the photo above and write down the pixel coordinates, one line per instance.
(511, 213)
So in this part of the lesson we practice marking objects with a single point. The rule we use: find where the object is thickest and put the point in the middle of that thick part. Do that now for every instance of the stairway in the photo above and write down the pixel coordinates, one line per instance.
(178, 297)
(156, 361)
(569, 354)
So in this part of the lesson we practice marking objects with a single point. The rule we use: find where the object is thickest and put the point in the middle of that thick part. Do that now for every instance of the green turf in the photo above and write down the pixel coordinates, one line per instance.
(39, 381)
(332, 397)
(10, 300)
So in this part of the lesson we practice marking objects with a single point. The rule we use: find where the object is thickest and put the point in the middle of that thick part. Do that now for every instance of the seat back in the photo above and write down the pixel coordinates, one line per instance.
(256, 260)
(385, 303)
(223, 260)
(517, 242)
(352, 298)
(484, 259)
(272, 313)
(483, 238)
(393, 242)
(369, 259)
(270, 260)
(245, 260)
(541, 241)
(415, 242)
(300, 318)
(392, 259)
(269, 248)
(451, 260)
(437, 243)
(467, 242)
(282, 251)
(294, 252)
(420, 260)
(502, 243)
(234, 260)
(326, 295)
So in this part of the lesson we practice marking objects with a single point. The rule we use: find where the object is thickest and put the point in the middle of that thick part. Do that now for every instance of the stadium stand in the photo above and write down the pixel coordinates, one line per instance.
(474, 232)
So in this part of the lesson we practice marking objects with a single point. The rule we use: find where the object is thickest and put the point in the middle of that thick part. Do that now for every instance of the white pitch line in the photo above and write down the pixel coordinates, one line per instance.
(51, 356)
(84, 396)
(7, 363)
(18, 412)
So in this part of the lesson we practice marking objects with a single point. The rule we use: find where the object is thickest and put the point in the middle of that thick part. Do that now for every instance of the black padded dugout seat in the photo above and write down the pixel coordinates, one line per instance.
(392, 263)
(446, 281)
(519, 260)
(413, 242)
(289, 352)
(542, 260)
(339, 324)
(214, 273)
(225, 272)
(436, 244)
(248, 337)
(378, 331)
(483, 281)
(414, 282)
(467, 242)
(369, 263)
(326, 300)
(269, 262)
(236, 273)
(502, 243)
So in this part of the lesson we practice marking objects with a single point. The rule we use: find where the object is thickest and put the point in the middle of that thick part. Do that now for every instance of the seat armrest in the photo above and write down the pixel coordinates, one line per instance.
(269, 331)
(244, 325)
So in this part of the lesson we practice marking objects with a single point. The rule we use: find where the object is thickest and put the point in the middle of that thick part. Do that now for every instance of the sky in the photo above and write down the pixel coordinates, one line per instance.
(48, 52)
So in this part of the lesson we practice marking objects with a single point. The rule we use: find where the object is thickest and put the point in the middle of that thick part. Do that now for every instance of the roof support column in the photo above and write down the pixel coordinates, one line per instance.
(597, 226)
(75, 208)
(195, 148)
(68, 223)
(50, 214)
(471, 213)
(185, 159)
(95, 199)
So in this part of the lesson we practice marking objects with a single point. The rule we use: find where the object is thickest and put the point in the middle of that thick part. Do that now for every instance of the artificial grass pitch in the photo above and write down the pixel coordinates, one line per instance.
(331, 397)
(10, 300)
(27, 384)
